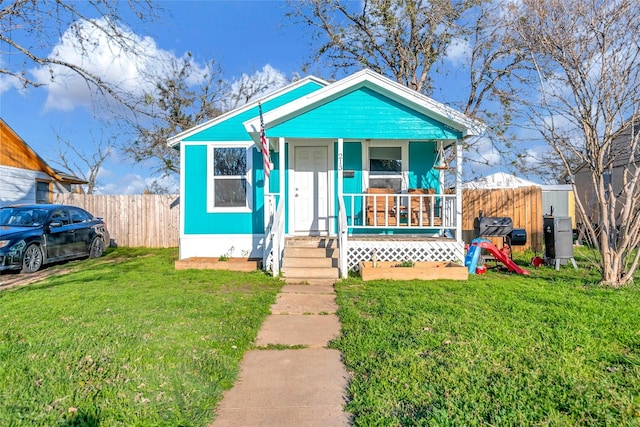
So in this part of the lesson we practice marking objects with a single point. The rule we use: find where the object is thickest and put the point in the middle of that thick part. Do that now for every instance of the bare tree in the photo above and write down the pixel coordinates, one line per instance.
(175, 106)
(400, 38)
(252, 86)
(82, 163)
(410, 39)
(29, 29)
(586, 106)
(493, 60)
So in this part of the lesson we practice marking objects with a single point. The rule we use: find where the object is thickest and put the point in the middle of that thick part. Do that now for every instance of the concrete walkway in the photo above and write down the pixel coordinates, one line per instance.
(291, 387)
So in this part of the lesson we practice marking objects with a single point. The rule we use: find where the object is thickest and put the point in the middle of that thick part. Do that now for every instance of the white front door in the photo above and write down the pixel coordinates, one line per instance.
(310, 191)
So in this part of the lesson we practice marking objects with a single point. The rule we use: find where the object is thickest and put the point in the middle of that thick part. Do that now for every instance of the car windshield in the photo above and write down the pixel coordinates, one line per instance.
(22, 216)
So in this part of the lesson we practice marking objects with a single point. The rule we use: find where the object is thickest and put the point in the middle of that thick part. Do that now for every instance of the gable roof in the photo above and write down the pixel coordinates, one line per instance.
(379, 84)
(228, 116)
(15, 152)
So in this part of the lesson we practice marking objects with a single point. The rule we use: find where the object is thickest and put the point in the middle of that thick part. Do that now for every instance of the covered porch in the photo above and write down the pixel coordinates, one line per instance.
(378, 214)
(362, 161)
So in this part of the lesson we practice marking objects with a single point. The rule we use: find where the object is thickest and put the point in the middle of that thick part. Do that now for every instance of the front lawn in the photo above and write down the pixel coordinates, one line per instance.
(497, 350)
(126, 341)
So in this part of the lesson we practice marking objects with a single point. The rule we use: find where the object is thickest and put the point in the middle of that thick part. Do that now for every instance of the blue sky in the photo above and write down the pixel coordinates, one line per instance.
(242, 36)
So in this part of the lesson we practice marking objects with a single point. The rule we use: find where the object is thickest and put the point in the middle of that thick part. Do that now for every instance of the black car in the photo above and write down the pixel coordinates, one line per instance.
(34, 235)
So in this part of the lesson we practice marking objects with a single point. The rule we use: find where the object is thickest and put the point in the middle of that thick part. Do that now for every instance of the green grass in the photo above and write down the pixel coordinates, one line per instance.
(126, 340)
(497, 350)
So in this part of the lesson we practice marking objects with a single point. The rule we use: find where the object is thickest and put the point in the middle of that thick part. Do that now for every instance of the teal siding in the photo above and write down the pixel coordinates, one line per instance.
(352, 161)
(362, 114)
(421, 158)
(274, 177)
(274, 183)
(232, 128)
(197, 220)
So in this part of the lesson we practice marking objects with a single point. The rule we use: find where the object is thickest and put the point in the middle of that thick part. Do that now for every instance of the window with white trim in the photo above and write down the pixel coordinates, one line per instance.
(385, 167)
(229, 177)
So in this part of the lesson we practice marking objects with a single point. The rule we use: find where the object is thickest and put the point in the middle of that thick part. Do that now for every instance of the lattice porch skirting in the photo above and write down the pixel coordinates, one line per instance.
(440, 250)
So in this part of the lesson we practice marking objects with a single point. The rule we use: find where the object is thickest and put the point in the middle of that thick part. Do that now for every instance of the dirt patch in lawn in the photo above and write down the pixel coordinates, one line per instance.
(14, 279)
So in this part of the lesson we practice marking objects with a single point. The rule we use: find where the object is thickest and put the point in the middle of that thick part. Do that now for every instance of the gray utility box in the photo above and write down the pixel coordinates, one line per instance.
(558, 239)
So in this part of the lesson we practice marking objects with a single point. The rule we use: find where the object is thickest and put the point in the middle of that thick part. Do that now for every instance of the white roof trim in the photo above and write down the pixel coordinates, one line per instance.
(176, 139)
(428, 106)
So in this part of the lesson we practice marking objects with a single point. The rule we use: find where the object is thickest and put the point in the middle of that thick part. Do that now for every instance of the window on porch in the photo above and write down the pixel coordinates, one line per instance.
(385, 168)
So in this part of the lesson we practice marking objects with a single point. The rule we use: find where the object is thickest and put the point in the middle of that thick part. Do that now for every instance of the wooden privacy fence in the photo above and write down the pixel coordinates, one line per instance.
(522, 205)
(148, 220)
(153, 220)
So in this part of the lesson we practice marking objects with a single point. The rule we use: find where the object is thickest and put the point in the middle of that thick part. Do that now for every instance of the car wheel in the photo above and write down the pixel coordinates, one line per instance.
(32, 259)
(97, 248)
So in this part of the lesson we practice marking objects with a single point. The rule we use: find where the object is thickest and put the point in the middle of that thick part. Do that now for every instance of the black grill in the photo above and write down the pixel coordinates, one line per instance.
(499, 226)
(517, 237)
(492, 226)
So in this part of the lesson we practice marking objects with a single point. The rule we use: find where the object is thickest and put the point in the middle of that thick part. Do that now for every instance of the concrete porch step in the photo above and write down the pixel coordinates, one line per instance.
(304, 262)
(311, 242)
(309, 252)
(310, 273)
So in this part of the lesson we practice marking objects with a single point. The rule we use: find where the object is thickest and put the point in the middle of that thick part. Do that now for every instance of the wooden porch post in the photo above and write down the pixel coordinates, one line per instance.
(342, 232)
(459, 191)
(269, 210)
(340, 165)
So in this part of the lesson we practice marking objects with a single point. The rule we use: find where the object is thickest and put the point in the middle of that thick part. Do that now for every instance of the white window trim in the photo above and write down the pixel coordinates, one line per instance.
(404, 152)
(211, 208)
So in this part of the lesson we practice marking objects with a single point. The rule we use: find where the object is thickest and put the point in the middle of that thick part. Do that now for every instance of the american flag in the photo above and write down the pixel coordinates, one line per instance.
(265, 146)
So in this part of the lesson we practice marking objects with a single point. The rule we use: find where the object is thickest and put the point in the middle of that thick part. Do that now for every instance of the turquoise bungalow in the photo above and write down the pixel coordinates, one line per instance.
(355, 162)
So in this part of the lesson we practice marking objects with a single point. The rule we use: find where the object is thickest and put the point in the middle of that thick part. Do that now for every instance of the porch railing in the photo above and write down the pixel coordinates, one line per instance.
(269, 207)
(343, 239)
(274, 236)
(278, 237)
(435, 212)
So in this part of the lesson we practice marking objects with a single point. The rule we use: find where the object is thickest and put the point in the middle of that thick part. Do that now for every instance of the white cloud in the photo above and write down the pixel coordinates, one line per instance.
(487, 153)
(138, 184)
(458, 52)
(8, 82)
(169, 182)
(248, 88)
(534, 157)
(131, 68)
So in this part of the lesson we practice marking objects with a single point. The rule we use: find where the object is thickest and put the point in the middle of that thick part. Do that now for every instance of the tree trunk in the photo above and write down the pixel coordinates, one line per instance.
(614, 273)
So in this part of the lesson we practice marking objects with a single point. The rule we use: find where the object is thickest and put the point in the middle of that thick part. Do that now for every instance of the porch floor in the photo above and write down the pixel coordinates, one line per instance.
(400, 238)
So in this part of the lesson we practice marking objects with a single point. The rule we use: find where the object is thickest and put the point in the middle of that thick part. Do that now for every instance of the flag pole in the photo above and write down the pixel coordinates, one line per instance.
(264, 146)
